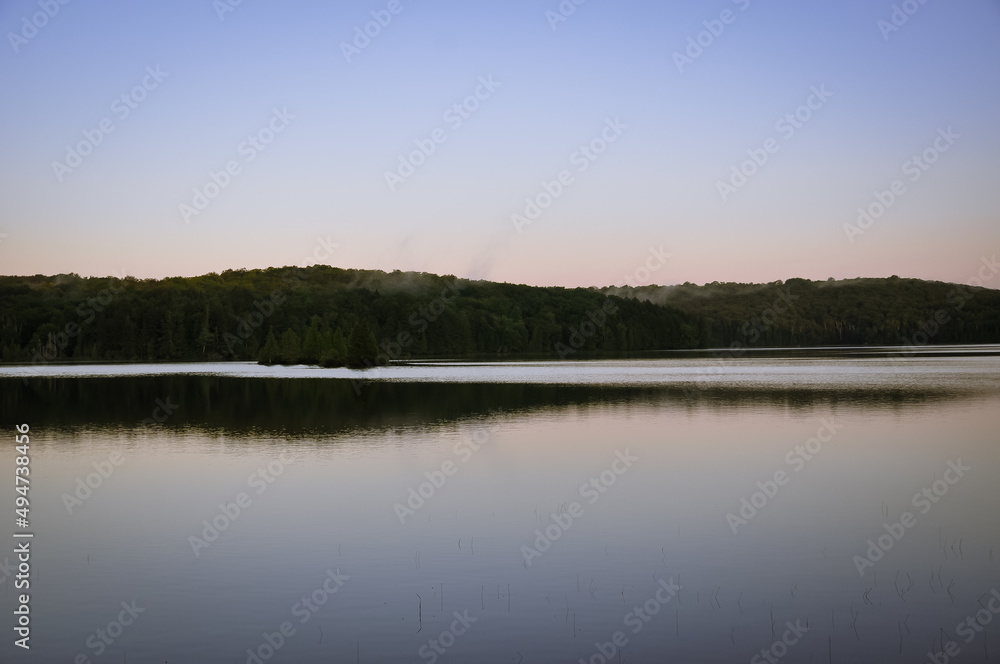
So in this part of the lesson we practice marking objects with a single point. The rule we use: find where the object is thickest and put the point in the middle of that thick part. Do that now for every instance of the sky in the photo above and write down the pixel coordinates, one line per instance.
(525, 141)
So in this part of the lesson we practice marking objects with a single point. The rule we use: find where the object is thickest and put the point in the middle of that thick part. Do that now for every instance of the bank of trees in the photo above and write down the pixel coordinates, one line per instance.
(325, 315)
(853, 312)
(319, 315)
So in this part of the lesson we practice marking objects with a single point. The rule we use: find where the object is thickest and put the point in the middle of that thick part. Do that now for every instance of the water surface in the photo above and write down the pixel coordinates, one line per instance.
(328, 458)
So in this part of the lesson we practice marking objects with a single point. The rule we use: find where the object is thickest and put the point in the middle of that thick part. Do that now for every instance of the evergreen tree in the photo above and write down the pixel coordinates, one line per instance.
(291, 347)
(334, 349)
(270, 353)
(312, 347)
(362, 349)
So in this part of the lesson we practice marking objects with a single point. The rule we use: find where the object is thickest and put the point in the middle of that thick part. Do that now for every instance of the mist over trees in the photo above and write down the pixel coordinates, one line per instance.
(331, 316)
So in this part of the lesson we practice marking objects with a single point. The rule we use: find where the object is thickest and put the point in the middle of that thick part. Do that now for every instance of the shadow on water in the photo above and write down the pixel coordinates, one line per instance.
(310, 405)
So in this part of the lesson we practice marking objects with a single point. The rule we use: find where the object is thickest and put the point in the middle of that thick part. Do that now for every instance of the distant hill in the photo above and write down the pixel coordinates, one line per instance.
(856, 312)
(334, 316)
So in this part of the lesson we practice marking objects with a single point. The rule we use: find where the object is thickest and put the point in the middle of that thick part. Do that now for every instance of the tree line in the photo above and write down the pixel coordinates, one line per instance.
(317, 315)
(852, 312)
(334, 317)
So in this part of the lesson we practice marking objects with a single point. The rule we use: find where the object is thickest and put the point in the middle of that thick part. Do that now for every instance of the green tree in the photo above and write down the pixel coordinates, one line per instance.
(334, 349)
(206, 337)
(270, 353)
(291, 347)
(253, 347)
(362, 349)
(312, 347)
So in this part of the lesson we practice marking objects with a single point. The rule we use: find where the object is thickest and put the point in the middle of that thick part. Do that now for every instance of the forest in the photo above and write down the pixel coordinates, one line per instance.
(335, 317)
(851, 312)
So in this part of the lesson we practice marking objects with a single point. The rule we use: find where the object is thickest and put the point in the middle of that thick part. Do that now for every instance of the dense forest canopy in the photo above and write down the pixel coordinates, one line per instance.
(852, 312)
(331, 316)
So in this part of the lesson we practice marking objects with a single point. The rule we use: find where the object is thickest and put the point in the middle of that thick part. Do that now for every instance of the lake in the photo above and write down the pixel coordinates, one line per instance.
(792, 506)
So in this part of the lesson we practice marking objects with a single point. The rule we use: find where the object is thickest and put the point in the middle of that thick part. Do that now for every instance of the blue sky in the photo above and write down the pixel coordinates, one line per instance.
(657, 185)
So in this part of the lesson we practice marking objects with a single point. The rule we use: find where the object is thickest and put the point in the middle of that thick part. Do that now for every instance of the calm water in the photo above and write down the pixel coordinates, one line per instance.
(636, 469)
